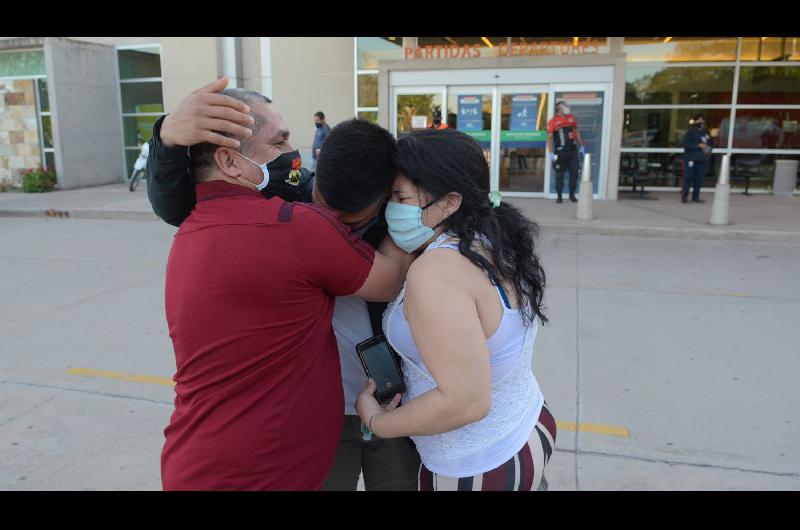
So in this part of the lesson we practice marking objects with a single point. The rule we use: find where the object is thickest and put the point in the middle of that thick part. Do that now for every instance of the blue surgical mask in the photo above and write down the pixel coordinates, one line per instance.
(405, 226)
(264, 171)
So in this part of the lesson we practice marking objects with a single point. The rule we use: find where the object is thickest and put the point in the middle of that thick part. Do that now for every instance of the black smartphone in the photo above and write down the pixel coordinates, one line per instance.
(380, 364)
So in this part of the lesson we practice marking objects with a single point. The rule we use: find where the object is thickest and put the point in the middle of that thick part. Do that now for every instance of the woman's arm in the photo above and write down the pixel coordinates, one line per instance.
(445, 326)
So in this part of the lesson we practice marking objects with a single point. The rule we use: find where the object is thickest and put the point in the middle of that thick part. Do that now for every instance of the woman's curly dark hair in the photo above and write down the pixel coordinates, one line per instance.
(440, 161)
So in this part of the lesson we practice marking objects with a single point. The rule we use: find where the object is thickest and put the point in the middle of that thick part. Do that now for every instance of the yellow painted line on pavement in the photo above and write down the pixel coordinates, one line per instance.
(596, 428)
(147, 379)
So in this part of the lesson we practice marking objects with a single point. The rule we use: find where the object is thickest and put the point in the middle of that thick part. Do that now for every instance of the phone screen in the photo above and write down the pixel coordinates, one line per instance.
(382, 367)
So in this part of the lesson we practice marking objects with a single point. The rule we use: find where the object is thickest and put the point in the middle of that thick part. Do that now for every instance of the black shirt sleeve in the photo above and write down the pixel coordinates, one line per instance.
(170, 187)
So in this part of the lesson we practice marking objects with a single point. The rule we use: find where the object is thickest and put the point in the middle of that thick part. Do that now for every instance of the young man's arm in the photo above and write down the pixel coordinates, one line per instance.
(170, 187)
(387, 274)
(340, 262)
(198, 118)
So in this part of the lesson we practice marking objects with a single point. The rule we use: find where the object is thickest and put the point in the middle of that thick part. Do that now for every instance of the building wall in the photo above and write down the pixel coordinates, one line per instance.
(118, 41)
(187, 63)
(83, 89)
(310, 74)
(19, 136)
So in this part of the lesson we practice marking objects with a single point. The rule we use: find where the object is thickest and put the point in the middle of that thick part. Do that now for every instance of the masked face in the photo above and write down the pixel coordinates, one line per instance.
(264, 172)
(700, 124)
(285, 177)
(406, 227)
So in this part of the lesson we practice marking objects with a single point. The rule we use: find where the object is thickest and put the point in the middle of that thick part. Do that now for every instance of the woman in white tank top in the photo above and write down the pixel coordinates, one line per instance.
(464, 324)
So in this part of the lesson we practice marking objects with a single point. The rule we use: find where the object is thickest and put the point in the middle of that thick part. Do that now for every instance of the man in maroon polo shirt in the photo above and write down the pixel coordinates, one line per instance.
(250, 293)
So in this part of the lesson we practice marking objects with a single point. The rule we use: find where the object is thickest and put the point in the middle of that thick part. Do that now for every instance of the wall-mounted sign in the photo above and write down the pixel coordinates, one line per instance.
(419, 122)
(524, 112)
(473, 51)
(470, 113)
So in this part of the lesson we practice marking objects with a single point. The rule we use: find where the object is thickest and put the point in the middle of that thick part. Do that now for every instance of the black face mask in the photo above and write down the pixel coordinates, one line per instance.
(318, 125)
(285, 177)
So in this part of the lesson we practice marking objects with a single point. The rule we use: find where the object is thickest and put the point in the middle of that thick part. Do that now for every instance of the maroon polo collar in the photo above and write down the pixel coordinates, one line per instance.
(219, 188)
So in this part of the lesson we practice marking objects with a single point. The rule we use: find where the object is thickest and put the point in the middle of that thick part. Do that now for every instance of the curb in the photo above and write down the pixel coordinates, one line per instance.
(82, 213)
(721, 233)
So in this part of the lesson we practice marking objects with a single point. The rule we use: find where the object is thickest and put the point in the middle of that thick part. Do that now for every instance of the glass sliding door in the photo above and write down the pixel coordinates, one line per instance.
(414, 108)
(522, 138)
(469, 110)
(588, 103)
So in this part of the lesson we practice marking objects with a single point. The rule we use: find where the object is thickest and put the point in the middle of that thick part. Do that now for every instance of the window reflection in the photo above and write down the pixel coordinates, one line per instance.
(771, 49)
(767, 129)
(367, 90)
(661, 169)
(140, 62)
(666, 127)
(371, 50)
(769, 85)
(415, 111)
(678, 85)
(679, 49)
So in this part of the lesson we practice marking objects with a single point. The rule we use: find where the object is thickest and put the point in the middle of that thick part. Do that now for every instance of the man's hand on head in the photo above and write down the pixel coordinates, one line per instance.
(204, 112)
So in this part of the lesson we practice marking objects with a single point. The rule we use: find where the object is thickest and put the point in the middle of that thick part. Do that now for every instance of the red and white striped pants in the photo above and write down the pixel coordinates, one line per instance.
(523, 472)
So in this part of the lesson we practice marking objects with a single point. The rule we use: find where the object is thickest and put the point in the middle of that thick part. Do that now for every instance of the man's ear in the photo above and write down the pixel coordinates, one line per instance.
(229, 164)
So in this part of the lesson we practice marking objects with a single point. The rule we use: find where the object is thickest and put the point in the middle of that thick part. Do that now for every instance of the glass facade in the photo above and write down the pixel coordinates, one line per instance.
(45, 125)
(770, 49)
(680, 49)
(141, 96)
(747, 88)
(370, 50)
(748, 105)
(24, 63)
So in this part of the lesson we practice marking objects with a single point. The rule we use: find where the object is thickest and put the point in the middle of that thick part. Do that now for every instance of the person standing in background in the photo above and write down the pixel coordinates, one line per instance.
(319, 136)
(697, 144)
(564, 143)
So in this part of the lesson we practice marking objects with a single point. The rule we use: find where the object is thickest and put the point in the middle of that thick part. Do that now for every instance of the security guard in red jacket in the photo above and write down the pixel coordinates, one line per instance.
(565, 144)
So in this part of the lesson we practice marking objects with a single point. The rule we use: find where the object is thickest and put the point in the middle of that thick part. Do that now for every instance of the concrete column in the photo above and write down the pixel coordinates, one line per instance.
(230, 60)
(86, 114)
(251, 63)
(265, 44)
(615, 128)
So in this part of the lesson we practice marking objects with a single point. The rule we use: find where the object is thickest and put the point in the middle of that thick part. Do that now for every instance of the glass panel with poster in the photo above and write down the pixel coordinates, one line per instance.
(588, 109)
(523, 138)
(417, 111)
(470, 111)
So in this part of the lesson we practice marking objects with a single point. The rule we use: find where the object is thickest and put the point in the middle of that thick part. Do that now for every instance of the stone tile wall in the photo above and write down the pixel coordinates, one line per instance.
(19, 129)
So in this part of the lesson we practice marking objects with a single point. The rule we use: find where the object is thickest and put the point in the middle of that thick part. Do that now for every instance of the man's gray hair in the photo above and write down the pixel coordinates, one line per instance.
(202, 155)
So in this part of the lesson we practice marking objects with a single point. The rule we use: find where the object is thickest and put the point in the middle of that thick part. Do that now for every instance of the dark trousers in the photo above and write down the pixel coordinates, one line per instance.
(566, 161)
(390, 464)
(693, 173)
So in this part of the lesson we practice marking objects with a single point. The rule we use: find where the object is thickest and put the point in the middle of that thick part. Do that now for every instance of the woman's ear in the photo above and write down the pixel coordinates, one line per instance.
(452, 202)
(228, 163)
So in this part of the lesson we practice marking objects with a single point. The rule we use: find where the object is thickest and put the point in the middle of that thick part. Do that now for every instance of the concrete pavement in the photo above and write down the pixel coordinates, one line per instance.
(753, 218)
(690, 346)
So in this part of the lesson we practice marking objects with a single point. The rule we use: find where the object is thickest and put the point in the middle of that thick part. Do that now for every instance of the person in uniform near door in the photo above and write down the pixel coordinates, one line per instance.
(697, 143)
(565, 144)
(437, 121)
